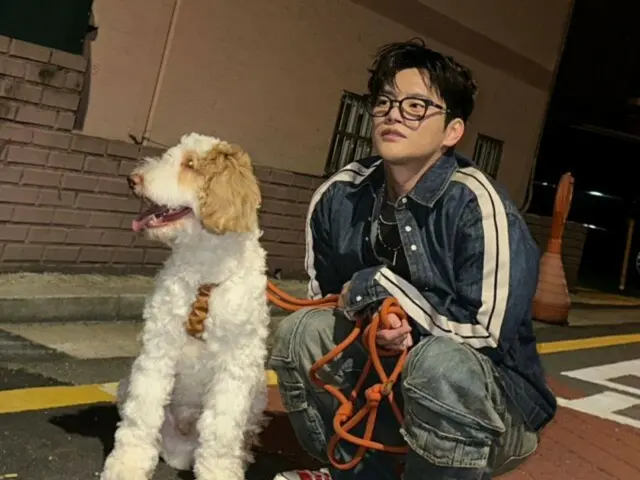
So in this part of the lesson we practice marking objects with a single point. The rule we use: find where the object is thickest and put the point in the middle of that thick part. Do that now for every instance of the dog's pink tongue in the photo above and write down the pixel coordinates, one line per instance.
(145, 217)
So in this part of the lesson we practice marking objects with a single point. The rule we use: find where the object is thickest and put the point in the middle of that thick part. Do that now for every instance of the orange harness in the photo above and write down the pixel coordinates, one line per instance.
(346, 419)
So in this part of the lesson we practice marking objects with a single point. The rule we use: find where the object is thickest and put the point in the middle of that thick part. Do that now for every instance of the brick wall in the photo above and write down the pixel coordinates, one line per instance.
(38, 85)
(283, 214)
(64, 201)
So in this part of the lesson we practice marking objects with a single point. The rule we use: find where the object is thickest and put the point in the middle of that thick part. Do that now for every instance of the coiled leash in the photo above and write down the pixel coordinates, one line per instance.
(346, 419)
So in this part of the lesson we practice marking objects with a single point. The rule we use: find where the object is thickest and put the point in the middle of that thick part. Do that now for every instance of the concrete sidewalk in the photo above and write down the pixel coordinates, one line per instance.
(574, 446)
(53, 297)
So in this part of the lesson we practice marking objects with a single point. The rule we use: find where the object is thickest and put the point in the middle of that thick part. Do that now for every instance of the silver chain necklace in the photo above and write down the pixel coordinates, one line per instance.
(392, 249)
(396, 249)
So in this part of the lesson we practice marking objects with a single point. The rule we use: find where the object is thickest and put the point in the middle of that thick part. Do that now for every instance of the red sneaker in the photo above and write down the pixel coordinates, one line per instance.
(322, 474)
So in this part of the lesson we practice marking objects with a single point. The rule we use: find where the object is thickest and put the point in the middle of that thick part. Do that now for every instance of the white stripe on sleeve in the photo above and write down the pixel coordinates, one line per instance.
(353, 173)
(495, 275)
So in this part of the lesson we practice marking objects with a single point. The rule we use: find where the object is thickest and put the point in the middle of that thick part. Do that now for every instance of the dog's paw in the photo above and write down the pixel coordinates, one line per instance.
(119, 466)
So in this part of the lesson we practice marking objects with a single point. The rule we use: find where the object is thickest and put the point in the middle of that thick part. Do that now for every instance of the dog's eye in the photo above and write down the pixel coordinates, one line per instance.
(189, 163)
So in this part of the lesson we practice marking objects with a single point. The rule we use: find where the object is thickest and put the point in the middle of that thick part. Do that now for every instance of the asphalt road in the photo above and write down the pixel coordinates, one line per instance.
(71, 443)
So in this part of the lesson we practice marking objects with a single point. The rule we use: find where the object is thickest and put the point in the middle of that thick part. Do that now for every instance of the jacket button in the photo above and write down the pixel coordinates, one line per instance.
(414, 248)
(407, 228)
(358, 298)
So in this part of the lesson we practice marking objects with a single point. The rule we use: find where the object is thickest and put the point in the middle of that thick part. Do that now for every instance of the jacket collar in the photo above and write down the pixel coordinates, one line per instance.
(430, 186)
(434, 182)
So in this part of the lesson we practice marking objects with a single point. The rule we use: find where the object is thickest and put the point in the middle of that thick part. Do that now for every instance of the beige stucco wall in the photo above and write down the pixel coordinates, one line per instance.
(125, 59)
(533, 28)
(269, 75)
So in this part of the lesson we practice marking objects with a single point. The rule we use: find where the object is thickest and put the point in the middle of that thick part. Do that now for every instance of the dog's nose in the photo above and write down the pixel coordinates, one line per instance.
(134, 180)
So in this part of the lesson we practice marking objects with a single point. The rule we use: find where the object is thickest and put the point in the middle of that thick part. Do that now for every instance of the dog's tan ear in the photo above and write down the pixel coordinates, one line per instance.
(231, 197)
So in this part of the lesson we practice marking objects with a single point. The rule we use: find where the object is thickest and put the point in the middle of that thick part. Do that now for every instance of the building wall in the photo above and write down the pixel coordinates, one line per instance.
(269, 75)
(64, 203)
(531, 28)
(64, 200)
(125, 60)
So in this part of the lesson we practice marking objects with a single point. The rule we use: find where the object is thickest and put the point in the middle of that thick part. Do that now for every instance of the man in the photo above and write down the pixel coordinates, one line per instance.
(420, 223)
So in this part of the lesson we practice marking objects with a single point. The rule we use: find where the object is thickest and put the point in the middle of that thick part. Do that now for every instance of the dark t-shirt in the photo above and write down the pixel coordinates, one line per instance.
(388, 244)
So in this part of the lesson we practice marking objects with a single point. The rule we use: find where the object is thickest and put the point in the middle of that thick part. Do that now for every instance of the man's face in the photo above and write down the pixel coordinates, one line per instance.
(421, 133)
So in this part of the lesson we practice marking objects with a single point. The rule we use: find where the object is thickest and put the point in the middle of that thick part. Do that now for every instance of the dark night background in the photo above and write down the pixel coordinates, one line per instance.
(593, 131)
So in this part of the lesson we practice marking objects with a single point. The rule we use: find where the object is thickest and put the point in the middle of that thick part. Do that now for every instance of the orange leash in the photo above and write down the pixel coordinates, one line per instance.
(346, 419)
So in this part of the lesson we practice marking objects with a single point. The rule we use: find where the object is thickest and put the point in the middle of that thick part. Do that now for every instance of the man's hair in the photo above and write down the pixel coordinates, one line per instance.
(453, 82)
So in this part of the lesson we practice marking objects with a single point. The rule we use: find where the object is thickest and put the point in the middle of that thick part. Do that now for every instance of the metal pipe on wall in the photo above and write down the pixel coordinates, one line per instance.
(161, 70)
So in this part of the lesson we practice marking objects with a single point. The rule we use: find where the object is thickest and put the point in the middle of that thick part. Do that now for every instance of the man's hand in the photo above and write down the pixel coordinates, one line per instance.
(398, 337)
(342, 299)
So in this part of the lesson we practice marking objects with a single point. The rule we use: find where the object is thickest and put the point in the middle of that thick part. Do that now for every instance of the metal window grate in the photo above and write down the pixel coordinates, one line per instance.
(487, 154)
(352, 133)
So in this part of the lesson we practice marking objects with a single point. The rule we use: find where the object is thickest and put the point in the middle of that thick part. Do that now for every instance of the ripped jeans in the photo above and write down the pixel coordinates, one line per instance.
(458, 422)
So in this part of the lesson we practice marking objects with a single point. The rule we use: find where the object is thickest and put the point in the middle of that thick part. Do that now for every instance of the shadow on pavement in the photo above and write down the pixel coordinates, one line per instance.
(278, 451)
(97, 421)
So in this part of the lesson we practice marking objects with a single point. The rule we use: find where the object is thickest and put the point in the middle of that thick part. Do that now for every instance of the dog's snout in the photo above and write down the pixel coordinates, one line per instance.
(134, 180)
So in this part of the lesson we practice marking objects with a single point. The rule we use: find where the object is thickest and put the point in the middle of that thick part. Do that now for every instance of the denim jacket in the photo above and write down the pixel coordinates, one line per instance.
(473, 265)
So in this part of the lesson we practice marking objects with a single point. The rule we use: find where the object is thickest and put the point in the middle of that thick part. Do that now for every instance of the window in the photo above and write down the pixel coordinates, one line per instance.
(487, 154)
(57, 24)
(352, 133)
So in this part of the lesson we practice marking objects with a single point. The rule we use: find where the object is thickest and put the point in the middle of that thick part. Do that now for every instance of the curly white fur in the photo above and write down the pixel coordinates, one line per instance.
(196, 403)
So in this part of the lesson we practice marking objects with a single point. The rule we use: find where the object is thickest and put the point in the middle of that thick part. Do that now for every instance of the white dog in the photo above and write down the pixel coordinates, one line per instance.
(198, 402)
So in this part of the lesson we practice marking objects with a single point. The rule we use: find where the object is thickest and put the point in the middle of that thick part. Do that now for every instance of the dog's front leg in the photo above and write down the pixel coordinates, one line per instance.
(135, 453)
(222, 424)
(238, 356)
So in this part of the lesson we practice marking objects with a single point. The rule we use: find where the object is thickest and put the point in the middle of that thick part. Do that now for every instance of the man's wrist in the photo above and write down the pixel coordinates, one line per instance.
(363, 291)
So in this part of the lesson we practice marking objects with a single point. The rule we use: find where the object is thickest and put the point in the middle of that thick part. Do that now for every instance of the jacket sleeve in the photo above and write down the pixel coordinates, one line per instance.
(496, 266)
(323, 276)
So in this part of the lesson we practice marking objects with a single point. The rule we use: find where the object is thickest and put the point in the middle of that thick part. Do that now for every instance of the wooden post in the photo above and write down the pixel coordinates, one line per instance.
(552, 301)
(631, 223)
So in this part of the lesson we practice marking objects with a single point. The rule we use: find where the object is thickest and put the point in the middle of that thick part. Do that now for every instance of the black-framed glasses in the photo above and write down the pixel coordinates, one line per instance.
(411, 108)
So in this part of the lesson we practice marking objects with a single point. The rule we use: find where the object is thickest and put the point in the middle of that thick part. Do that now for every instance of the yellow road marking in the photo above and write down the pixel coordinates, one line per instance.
(587, 343)
(42, 398)
(272, 378)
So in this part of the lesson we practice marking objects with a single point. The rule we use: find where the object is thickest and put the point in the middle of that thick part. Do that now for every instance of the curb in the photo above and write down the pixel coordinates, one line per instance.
(81, 308)
(605, 306)
(71, 308)
(115, 306)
